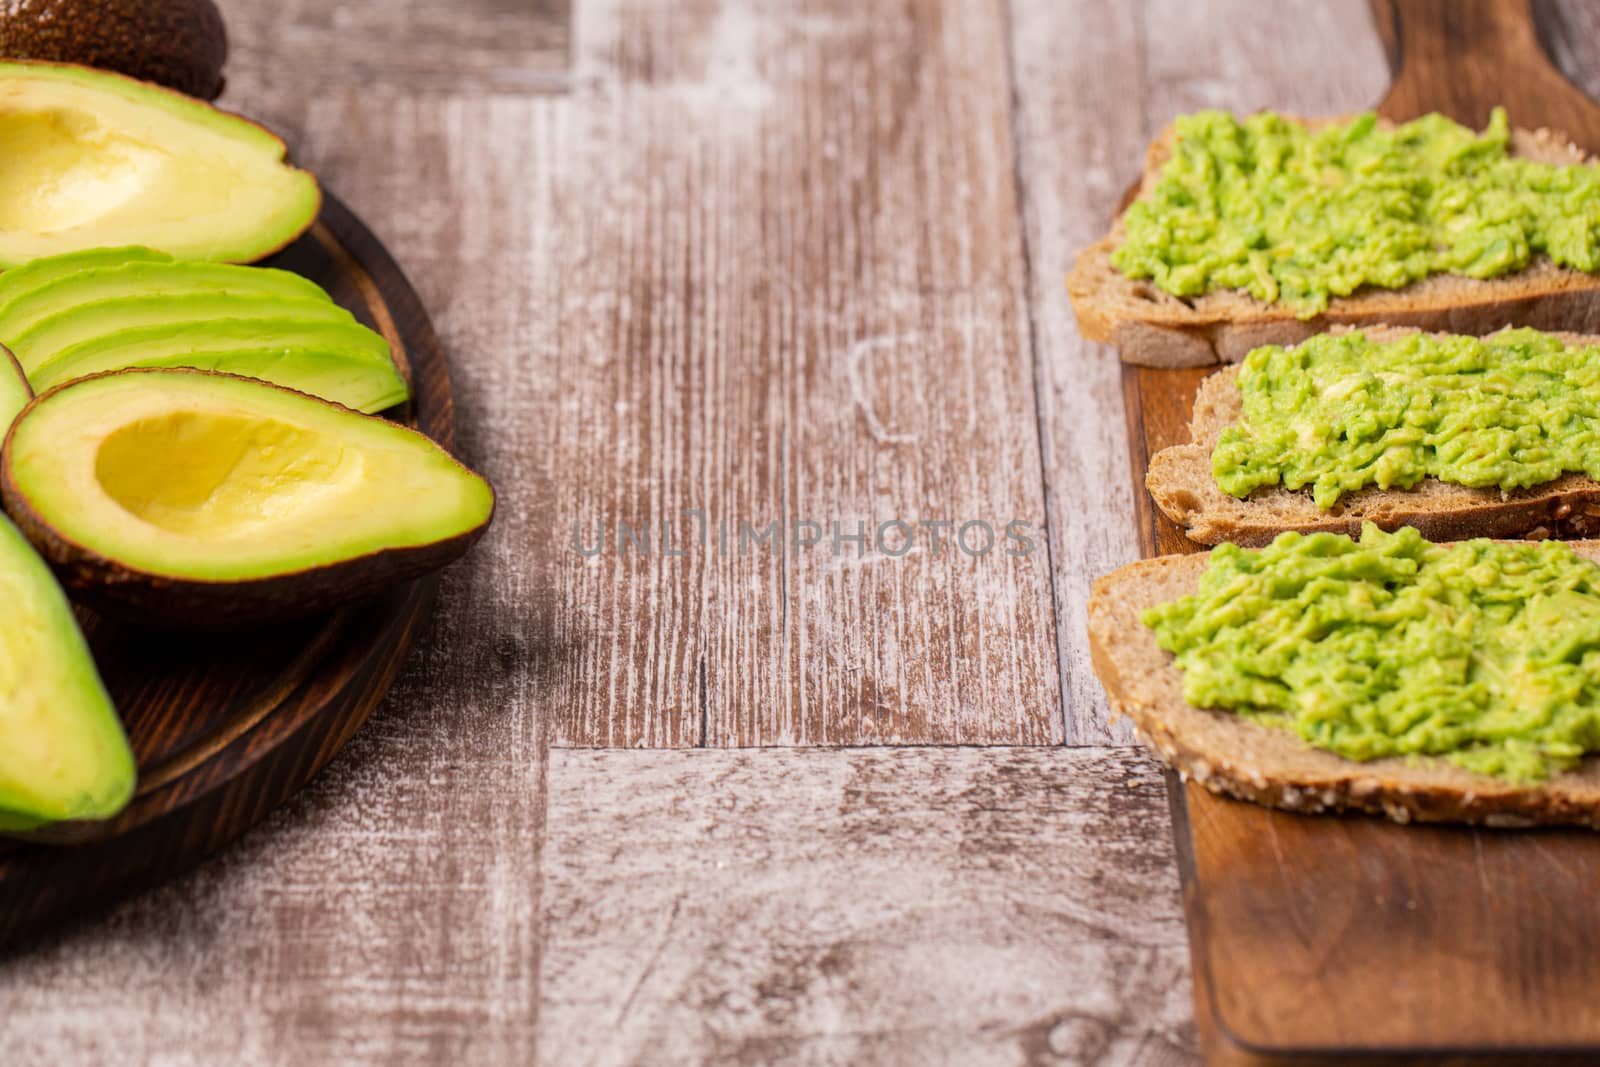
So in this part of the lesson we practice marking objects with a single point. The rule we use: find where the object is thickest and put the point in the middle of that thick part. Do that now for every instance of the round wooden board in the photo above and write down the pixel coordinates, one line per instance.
(226, 726)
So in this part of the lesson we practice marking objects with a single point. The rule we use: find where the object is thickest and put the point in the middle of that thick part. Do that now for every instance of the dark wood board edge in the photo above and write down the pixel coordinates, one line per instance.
(1144, 512)
(1224, 1048)
(408, 320)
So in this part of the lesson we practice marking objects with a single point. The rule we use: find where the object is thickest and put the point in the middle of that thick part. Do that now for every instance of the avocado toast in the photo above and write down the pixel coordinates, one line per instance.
(1269, 763)
(1183, 483)
(1155, 327)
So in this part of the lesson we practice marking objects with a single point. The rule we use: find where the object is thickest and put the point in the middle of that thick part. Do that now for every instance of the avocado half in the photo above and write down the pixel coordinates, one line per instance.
(178, 43)
(193, 498)
(65, 756)
(95, 159)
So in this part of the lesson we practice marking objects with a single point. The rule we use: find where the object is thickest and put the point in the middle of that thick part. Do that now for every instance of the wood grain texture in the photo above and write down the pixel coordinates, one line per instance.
(398, 46)
(1093, 84)
(902, 906)
(1569, 31)
(1399, 937)
(356, 925)
(1466, 57)
(1324, 937)
(795, 293)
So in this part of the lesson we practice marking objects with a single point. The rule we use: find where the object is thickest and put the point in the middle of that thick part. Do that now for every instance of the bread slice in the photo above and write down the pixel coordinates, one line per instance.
(1231, 755)
(1182, 485)
(1153, 328)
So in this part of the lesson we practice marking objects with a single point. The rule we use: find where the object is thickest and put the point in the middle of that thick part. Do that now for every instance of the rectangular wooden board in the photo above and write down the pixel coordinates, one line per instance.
(1319, 937)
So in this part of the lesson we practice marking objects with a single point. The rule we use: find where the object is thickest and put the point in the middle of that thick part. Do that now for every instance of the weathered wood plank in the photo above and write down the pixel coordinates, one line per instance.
(867, 906)
(1570, 32)
(386, 915)
(793, 292)
(302, 47)
(1093, 84)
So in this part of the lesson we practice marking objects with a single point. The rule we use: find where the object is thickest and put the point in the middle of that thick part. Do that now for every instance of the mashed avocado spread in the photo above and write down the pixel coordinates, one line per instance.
(1299, 216)
(1484, 653)
(1340, 413)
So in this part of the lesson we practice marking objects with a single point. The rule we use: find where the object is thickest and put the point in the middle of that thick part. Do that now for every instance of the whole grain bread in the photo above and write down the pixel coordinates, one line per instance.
(1182, 485)
(1153, 328)
(1231, 755)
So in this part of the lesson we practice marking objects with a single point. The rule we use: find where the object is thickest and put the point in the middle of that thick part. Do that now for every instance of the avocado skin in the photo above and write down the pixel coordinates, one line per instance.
(181, 44)
(15, 392)
(130, 594)
(120, 592)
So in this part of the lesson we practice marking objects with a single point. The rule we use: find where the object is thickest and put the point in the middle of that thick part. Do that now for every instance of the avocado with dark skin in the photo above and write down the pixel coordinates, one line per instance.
(181, 44)
(65, 756)
(98, 160)
(190, 498)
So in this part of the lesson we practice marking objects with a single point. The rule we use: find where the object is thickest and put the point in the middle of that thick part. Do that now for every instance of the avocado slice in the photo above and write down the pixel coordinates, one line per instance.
(14, 390)
(197, 498)
(340, 361)
(36, 302)
(95, 159)
(63, 754)
(18, 280)
(177, 43)
(44, 340)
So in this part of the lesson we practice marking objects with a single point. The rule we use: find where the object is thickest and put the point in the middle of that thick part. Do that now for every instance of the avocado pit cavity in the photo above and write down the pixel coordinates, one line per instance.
(213, 476)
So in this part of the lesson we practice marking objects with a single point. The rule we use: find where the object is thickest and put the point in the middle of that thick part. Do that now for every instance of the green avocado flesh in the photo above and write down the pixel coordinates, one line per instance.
(40, 272)
(343, 362)
(91, 285)
(106, 309)
(63, 754)
(1483, 653)
(1340, 413)
(48, 338)
(210, 478)
(1299, 216)
(95, 159)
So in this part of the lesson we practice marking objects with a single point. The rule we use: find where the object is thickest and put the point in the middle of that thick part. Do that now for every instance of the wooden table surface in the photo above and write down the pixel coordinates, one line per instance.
(754, 802)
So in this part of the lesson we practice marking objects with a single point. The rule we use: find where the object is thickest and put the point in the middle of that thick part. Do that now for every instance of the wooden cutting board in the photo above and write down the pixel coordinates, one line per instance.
(1349, 939)
(226, 726)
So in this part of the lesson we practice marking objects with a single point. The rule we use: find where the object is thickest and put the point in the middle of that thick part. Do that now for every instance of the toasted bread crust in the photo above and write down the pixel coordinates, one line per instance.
(1233, 756)
(1181, 483)
(1153, 328)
